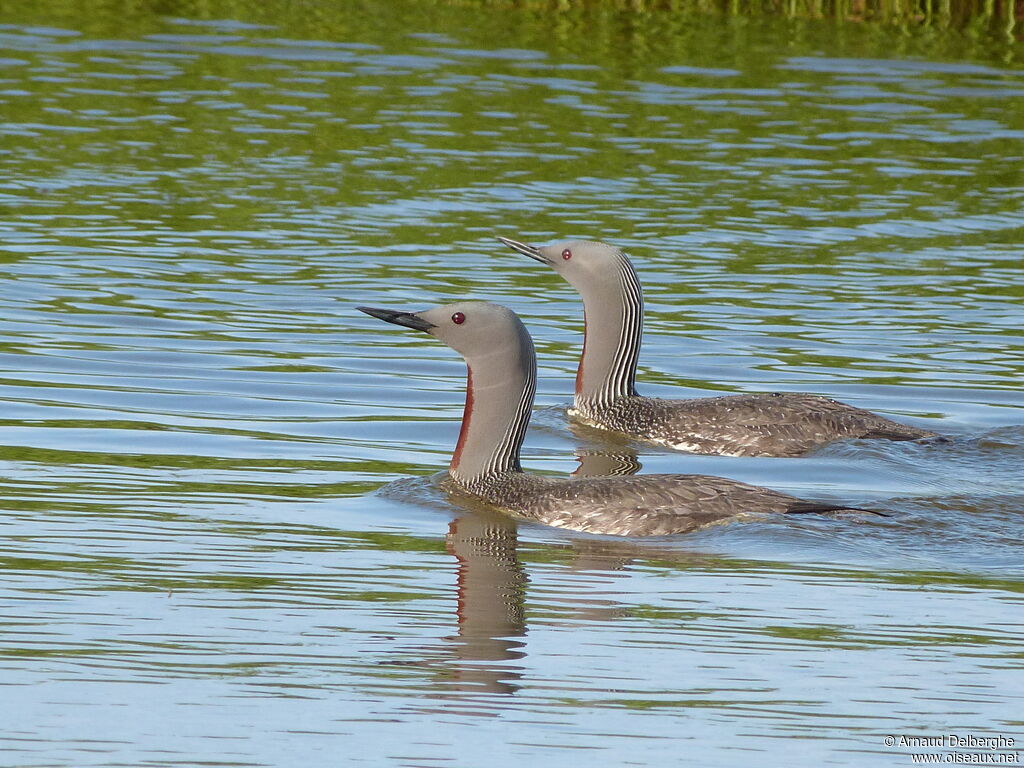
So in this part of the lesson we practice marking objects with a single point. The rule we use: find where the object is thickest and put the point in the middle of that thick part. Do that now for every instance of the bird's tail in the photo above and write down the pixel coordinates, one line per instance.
(816, 507)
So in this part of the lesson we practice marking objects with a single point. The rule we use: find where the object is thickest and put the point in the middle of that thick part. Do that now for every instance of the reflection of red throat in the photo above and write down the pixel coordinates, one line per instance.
(467, 413)
(460, 578)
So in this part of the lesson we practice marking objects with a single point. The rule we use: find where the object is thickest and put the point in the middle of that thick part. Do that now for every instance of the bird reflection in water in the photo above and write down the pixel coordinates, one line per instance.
(491, 594)
(603, 464)
(480, 659)
(492, 584)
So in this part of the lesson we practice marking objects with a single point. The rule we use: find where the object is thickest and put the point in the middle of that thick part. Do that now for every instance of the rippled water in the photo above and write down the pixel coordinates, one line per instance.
(222, 544)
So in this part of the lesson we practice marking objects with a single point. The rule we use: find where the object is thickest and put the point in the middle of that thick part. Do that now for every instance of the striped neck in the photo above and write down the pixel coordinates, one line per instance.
(499, 397)
(614, 317)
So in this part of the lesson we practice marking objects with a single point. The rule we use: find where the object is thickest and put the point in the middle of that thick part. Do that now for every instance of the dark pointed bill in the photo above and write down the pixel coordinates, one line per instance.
(527, 250)
(406, 319)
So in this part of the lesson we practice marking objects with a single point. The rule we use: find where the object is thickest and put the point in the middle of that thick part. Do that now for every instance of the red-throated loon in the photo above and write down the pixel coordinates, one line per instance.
(769, 424)
(501, 381)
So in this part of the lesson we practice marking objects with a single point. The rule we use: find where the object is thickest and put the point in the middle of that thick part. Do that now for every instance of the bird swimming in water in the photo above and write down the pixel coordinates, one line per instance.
(756, 424)
(501, 381)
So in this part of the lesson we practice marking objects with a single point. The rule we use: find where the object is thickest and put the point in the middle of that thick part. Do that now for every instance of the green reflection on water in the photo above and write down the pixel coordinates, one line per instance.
(196, 202)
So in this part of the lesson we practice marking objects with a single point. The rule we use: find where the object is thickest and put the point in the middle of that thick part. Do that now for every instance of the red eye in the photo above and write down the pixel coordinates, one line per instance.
(566, 254)
(458, 318)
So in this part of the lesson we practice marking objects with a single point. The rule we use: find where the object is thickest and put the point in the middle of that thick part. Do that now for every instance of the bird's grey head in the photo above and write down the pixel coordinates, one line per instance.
(582, 263)
(471, 328)
(613, 308)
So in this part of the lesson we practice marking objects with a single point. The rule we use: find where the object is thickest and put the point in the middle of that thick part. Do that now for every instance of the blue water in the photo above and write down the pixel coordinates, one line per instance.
(222, 538)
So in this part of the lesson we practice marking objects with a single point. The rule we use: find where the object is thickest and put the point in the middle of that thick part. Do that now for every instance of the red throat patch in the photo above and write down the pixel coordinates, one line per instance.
(467, 413)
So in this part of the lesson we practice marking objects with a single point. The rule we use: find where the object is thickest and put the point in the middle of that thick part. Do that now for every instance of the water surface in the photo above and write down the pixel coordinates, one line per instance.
(222, 544)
